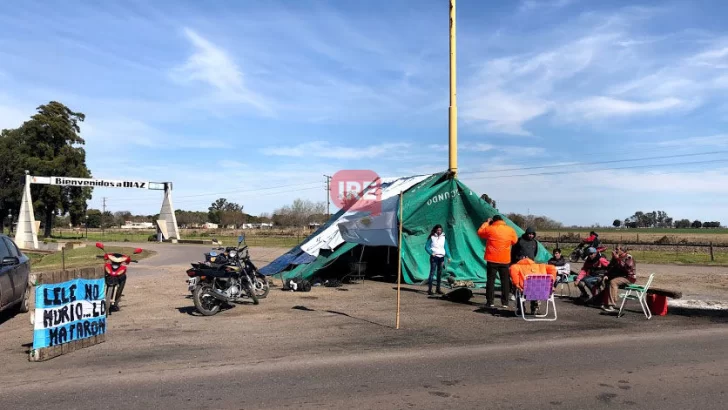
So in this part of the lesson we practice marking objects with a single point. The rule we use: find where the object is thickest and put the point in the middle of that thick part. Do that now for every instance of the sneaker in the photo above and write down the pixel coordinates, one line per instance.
(609, 309)
(439, 292)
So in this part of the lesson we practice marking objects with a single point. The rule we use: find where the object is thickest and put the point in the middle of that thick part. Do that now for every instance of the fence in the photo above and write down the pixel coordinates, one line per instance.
(656, 252)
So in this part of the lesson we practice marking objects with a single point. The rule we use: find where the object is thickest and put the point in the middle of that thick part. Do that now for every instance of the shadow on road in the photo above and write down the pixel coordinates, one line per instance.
(307, 309)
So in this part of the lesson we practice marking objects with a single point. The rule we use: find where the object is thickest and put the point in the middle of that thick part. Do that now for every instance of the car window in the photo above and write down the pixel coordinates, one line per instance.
(4, 253)
(12, 248)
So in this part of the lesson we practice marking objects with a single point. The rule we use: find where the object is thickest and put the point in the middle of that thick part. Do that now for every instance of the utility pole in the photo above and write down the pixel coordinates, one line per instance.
(453, 111)
(103, 213)
(328, 196)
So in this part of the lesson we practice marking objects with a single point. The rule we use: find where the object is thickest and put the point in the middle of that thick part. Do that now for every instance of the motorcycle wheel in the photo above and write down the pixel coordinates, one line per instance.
(261, 287)
(574, 257)
(110, 290)
(205, 303)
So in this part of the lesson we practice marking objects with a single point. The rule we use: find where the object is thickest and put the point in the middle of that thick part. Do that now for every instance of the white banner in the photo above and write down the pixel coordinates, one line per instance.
(89, 182)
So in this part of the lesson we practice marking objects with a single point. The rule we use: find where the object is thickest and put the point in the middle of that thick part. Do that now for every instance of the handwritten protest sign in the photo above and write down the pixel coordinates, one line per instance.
(69, 311)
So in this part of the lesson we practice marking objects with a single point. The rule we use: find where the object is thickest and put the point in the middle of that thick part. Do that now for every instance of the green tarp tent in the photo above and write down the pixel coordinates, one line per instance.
(427, 201)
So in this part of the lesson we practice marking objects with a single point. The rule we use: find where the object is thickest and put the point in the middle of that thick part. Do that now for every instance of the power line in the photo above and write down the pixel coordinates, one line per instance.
(601, 169)
(227, 192)
(597, 162)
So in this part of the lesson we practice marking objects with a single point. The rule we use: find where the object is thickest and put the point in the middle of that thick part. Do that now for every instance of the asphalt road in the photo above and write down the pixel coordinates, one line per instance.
(336, 349)
(651, 371)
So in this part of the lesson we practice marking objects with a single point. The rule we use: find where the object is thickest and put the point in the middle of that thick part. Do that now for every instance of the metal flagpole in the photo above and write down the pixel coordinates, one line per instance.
(399, 258)
(453, 110)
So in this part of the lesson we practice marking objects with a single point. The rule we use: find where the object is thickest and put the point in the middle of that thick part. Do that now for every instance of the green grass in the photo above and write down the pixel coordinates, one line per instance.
(664, 257)
(78, 258)
(626, 231)
(273, 241)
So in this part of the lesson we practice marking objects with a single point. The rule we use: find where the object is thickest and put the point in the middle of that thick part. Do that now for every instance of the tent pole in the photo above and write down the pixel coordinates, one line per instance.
(399, 263)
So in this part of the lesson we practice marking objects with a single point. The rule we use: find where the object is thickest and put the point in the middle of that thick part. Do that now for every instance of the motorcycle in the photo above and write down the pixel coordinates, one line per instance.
(115, 265)
(580, 252)
(230, 278)
(215, 259)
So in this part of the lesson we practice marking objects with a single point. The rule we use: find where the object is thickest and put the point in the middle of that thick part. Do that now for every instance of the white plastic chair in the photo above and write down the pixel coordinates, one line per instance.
(640, 296)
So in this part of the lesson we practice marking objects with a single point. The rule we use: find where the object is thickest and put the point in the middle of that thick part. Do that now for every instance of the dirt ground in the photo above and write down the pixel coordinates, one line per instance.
(159, 326)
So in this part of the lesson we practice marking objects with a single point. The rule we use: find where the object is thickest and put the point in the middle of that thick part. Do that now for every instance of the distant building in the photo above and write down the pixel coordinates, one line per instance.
(137, 225)
(209, 225)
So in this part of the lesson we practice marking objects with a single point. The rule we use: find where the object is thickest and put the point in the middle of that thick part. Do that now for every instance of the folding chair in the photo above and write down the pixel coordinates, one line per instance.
(565, 279)
(640, 294)
(537, 287)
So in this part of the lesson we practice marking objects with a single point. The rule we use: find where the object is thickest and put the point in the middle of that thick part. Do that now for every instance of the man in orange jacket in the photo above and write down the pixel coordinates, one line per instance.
(499, 239)
(525, 267)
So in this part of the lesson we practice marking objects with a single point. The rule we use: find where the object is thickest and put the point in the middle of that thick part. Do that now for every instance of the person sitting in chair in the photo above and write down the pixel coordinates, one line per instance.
(524, 267)
(621, 271)
(563, 268)
(590, 276)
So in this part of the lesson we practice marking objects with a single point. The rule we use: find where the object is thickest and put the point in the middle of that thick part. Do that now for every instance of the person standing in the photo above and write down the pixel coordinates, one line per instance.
(436, 247)
(500, 239)
(527, 246)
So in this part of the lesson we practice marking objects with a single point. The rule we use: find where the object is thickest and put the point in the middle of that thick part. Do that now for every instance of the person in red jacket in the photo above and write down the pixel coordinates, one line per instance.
(499, 238)
(591, 274)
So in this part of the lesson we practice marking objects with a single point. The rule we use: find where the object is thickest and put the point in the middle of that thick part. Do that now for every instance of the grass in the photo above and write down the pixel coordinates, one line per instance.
(664, 257)
(78, 258)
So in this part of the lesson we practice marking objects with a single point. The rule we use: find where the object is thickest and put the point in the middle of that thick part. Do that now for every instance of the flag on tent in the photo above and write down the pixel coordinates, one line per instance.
(428, 200)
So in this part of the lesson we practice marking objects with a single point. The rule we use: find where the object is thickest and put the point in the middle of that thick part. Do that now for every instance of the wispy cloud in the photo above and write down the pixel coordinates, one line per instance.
(531, 5)
(323, 149)
(602, 107)
(215, 67)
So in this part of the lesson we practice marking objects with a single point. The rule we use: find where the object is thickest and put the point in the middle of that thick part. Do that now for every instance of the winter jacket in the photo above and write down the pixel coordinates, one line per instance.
(437, 246)
(525, 247)
(590, 266)
(593, 241)
(526, 267)
(499, 239)
(558, 262)
(623, 268)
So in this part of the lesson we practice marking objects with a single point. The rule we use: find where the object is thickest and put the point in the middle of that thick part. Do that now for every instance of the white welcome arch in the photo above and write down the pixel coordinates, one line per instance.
(26, 234)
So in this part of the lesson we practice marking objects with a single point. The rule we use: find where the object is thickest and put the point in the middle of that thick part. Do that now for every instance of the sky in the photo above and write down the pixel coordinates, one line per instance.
(579, 110)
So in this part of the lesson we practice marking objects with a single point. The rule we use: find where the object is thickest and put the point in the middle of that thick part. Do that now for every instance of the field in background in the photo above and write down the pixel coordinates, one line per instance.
(684, 246)
(78, 258)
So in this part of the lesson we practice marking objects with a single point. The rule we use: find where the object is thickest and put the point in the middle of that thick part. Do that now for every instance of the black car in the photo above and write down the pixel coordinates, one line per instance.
(14, 272)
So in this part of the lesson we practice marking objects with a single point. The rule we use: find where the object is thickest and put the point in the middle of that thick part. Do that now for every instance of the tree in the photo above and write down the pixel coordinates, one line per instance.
(298, 214)
(697, 224)
(94, 218)
(536, 222)
(11, 173)
(232, 214)
(216, 209)
(49, 144)
(120, 217)
(617, 223)
(683, 224)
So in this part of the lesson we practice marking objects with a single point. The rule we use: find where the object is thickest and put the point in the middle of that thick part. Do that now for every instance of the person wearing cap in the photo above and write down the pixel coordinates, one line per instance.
(590, 276)
(499, 239)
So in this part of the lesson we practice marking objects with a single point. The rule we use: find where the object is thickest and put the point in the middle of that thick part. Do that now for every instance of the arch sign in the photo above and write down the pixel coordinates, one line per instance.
(26, 234)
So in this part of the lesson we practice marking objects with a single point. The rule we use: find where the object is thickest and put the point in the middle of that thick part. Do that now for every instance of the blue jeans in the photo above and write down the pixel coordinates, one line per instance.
(589, 282)
(437, 264)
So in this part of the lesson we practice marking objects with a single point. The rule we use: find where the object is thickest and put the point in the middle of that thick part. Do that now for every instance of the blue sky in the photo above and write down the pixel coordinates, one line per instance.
(255, 101)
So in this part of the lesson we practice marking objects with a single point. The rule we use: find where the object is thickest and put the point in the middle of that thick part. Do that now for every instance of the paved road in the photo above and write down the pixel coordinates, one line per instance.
(651, 371)
(333, 349)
